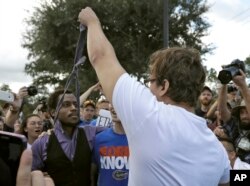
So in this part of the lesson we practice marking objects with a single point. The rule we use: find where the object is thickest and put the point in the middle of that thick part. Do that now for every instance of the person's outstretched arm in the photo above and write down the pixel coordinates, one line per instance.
(222, 104)
(28, 178)
(101, 53)
(86, 94)
(13, 113)
(211, 112)
(240, 81)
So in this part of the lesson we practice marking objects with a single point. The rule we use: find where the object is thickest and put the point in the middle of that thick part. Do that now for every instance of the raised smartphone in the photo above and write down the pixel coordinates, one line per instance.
(6, 96)
(11, 147)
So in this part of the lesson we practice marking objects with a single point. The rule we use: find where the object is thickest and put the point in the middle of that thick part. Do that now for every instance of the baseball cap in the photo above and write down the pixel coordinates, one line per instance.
(236, 110)
(87, 103)
(206, 88)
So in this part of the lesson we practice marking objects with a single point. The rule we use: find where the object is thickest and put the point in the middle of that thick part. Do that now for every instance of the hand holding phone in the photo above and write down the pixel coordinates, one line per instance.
(6, 96)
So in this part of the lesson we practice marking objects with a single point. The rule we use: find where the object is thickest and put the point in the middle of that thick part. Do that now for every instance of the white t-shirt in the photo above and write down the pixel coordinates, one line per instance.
(241, 165)
(29, 146)
(168, 145)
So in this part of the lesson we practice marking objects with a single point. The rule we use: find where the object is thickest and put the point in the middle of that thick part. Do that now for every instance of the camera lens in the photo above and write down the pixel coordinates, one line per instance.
(225, 76)
(32, 91)
(231, 70)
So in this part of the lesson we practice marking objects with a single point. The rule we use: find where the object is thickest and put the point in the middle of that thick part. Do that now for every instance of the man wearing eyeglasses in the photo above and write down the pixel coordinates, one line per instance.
(169, 144)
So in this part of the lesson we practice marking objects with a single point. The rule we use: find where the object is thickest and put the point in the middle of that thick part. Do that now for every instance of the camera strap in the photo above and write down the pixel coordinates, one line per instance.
(79, 59)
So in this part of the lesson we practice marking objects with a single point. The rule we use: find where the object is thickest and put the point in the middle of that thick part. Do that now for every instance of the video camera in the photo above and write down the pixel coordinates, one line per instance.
(32, 90)
(231, 70)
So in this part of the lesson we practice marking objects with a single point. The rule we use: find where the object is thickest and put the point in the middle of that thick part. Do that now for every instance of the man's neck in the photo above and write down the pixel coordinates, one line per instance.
(204, 108)
(182, 104)
(68, 130)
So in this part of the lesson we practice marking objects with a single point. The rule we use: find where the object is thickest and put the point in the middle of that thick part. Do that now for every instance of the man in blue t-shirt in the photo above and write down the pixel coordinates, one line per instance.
(87, 112)
(110, 155)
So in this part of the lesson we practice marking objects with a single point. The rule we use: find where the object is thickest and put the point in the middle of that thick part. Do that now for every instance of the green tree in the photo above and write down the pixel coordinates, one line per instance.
(134, 27)
(5, 87)
(212, 76)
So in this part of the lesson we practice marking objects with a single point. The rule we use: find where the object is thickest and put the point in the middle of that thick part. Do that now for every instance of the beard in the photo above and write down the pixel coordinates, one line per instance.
(71, 123)
(205, 102)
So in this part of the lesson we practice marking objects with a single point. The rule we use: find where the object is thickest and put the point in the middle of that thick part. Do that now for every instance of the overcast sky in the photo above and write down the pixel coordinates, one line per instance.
(230, 20)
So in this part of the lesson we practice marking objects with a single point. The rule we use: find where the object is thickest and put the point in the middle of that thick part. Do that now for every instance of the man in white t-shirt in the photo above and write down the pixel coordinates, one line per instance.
(169, 144)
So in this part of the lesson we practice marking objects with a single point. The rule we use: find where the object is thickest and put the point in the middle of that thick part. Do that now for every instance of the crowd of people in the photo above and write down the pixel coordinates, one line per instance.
(173, 131)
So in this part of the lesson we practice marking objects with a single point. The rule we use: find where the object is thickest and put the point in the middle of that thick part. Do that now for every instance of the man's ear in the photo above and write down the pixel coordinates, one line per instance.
(164, 87)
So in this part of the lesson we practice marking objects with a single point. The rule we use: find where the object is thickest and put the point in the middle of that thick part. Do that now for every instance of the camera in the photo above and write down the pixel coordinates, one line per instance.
(43, 102)
(32, 90)
(231, 70)
(47, 125)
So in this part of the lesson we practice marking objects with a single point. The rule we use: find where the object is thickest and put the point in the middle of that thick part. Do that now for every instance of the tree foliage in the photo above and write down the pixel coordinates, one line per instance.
(212, 76)
(134, 27)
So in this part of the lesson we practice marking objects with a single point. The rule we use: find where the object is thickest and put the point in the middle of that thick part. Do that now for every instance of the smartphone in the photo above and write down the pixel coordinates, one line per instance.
(11, 147)
(6, 96)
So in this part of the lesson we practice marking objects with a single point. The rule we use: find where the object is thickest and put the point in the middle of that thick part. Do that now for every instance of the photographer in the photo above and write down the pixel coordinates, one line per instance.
(13, 112)
(237, 122)
(42, 111)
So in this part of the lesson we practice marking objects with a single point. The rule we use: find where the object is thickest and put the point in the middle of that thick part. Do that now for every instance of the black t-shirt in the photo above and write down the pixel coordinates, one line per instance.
(200, 113)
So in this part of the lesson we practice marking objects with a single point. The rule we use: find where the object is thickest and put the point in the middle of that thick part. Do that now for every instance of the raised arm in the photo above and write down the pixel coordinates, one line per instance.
(240, 81)
(86, 94)
(13, 113)
(101, 53)
(222, 104)
(211, 112)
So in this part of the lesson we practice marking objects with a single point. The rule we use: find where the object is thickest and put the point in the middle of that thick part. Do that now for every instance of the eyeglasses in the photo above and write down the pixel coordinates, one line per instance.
(148, 82)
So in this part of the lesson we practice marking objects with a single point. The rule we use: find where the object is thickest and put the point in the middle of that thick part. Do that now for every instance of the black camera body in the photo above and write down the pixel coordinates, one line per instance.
(32, 90)
(231, 70)
(47, 125)
(43, 102)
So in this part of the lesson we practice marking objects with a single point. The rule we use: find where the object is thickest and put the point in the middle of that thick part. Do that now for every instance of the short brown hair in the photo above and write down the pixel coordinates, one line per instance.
(54, 98)
(183, 69)
(24, 123)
